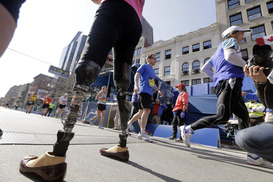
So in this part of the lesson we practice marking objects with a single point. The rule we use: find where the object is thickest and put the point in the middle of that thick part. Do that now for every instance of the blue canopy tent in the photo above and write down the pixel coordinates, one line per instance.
(106, 79)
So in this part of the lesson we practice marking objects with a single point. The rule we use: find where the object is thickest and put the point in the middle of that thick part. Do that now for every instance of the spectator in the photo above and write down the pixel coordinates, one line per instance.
(157, 112)
(50, 108)
(257, 140)
(255, 110)
(179, 111)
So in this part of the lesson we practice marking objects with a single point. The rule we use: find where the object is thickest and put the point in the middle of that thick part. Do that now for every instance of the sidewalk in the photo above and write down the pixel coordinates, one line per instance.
(163, 160)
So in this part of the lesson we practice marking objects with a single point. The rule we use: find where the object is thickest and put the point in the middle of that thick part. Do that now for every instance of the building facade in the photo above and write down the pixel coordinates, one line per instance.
(180, 59)
(256, 15)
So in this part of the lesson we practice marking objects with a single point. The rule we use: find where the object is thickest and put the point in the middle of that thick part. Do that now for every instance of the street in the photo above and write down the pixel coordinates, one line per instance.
(162, 160)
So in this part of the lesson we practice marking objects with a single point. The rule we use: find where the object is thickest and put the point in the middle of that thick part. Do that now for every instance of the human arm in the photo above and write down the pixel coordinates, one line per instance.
(206, 68)
(136, 79)
(98, 96)
(157, 89)
(231, 54)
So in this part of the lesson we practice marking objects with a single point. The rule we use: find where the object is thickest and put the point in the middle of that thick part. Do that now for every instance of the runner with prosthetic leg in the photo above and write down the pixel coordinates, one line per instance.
(117, 24)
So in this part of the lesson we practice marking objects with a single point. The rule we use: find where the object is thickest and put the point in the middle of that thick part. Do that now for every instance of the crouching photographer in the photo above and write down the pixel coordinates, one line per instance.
(258, 140)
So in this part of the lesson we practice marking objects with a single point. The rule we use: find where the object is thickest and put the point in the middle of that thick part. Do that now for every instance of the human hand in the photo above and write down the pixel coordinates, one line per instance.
(161, 93)
(136, 89)
(182, 115)
(256, 73)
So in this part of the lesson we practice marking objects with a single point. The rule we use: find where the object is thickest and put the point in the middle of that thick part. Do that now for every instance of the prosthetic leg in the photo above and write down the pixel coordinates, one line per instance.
(122, 77)
(51, 166)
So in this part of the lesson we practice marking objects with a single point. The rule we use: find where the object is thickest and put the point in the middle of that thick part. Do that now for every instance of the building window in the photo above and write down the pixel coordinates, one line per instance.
(207, 44)
(196, 66)
(235, 19)
(185, 50)
(157, 57)
(195, 47)
(185, 82)
(206, 60)
(207, 80)
(258, 32)
(243, 41)
(168, 82)
(244, 54)
(254, 13)
(137, 61)
(156, 70)
(247, 1)
(270, 7)
(185, 69)
(167, 70)
(195, 81)
(139, 51)
(233, 3)
(135, 52)
(133, 62)
(168, 54)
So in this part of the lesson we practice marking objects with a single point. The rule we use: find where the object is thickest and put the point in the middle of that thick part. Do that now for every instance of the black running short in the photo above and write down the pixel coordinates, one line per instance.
(145, 101)
(101, 107)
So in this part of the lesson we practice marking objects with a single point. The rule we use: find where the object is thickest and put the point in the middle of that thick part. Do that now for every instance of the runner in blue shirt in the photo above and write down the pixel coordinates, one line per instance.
(144, 86)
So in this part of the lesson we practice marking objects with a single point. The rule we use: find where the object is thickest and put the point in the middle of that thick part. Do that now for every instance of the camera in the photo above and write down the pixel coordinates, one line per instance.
(262, 56)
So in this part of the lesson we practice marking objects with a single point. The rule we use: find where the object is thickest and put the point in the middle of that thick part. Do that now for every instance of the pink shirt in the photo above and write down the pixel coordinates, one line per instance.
(137, 5)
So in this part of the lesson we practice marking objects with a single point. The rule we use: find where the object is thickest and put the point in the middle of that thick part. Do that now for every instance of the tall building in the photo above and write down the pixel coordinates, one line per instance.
(72, 52)
(253, 14)
(69, 57)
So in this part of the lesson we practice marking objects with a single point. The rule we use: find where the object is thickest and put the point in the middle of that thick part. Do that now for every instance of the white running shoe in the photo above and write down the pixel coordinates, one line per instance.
(139, 136)
(255, 160)
(186, 135)
(146, 137)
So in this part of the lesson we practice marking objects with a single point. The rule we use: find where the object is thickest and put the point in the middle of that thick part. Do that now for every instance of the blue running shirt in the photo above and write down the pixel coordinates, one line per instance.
(147, 79)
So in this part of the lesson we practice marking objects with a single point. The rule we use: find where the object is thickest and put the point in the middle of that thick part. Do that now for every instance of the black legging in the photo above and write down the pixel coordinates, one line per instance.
(177, 121)
(13, 6)
(117, 25)
(229, 101)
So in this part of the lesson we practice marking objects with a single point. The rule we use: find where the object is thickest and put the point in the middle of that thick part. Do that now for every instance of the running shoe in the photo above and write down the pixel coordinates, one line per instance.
(255, 160)
(171, 138)
(186, 135)
(100, 127)
(179, 139)
(139, 136)
(146, 137)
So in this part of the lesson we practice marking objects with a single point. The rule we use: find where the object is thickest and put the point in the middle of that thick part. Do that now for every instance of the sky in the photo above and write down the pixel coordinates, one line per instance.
(45, 27)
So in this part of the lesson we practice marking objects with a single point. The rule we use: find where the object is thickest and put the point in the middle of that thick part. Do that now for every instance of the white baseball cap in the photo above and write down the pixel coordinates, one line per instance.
(234, 28)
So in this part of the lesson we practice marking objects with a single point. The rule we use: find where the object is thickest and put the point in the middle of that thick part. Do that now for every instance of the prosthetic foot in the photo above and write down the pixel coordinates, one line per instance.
(122, 73)
(48, 166)
(51, 166)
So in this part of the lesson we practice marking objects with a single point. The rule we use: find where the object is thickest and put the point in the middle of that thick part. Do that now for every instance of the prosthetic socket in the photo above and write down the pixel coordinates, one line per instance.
(122, 78)
(86, 73)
